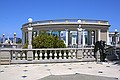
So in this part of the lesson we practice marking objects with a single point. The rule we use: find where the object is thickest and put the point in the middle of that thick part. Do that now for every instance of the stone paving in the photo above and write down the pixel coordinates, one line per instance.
(41, 71)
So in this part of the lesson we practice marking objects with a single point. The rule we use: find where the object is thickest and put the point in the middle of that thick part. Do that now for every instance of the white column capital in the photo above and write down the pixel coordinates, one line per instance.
(30, 28)
(79, 29)
(66, 29)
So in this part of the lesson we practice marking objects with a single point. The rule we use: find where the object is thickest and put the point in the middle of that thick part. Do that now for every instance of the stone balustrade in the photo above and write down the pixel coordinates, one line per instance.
(49, 55)
(83, 21)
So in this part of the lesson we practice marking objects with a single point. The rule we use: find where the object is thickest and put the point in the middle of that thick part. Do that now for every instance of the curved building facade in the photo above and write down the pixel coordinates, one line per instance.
(72, 31)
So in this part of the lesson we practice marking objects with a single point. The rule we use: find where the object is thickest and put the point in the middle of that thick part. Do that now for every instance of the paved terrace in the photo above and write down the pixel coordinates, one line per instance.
(61, 71)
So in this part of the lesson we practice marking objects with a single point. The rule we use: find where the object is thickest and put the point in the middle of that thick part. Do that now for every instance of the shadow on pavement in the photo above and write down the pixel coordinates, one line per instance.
(77, 76)
(116, 62)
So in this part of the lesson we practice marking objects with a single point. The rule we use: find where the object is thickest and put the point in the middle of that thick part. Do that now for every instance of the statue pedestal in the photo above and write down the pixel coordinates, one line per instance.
(79, 54)
(29, 53)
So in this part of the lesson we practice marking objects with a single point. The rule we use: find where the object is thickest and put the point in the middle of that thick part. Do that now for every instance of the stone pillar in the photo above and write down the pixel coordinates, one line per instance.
(23, 37)
(59, 35)
(99, 37)
(92, 38)
(50, 32)
(38, 32)
(66, 40)
(69, 38)
(89, 37)
(79, 51)
(108, 38)
(26, 37)
(83, 38)
(95, 36)
(79, 36)
(30, 37)
(30, 53)
(116, 37)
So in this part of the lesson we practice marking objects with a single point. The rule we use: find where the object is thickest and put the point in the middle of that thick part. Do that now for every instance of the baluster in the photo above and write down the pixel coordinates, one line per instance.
(60, 55)
(41, 55)
(85, 53)
(19, 56)
(23, 56)
(13, 56)
(55, 55)
(91, 54)
(69, 54)
(45, 54)
(74, 55)
(65, 54)
(88, 53)
(36, 55)
(50, 54)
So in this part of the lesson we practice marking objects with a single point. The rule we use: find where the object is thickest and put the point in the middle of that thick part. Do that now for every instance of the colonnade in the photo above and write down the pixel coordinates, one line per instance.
(81, 37)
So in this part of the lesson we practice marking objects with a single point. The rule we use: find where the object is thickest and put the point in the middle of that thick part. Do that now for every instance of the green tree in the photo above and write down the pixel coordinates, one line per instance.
(44, 40)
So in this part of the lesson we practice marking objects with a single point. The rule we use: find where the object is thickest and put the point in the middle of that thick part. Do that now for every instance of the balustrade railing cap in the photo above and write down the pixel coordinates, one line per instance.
(64, 20)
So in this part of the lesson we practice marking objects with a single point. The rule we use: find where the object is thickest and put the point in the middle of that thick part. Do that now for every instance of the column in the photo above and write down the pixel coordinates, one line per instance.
(69, 38)
(92, 38)
(59, 35)
(108, 40)
(30, 37)
(99, 37)
(26, 37)
(95, 34)
(38, 32)
(66, 40)
(89, 37)
(23, 37)
(83, 38)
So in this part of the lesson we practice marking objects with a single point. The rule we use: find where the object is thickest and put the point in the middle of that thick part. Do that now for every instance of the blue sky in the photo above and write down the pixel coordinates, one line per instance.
(14, 13)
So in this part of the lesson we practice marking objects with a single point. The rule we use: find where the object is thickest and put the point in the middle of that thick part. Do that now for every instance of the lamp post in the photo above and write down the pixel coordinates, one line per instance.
(92, 38)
